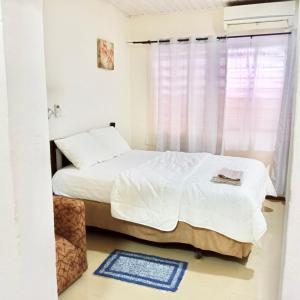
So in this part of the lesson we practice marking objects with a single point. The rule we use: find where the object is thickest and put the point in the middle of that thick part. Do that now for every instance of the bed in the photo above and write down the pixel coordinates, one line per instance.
(95, 185)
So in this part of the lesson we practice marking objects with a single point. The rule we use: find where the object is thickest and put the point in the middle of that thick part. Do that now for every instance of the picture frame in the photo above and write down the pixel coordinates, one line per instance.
(105, 55)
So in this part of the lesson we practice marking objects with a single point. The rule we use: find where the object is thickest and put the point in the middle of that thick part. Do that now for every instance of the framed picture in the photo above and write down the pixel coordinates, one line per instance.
(105, 55)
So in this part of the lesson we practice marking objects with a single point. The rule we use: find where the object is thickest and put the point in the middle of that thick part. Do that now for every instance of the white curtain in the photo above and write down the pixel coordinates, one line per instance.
(282, 147)
(188, 84)
(259, 102)
(256, 70)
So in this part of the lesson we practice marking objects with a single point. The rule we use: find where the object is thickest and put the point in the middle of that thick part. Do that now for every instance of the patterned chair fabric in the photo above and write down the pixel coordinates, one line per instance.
(70, 235)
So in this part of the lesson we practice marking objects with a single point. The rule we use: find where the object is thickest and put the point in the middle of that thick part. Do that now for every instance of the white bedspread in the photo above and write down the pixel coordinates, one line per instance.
(177, 186)
(96, 182)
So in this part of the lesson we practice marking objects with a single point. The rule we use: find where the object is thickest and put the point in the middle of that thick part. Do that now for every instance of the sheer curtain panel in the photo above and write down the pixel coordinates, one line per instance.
(259, 102)
(256, 69)
(189, 92)
(283, 140)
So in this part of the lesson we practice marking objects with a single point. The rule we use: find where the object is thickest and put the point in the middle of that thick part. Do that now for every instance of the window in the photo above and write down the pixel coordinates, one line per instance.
(254, 88)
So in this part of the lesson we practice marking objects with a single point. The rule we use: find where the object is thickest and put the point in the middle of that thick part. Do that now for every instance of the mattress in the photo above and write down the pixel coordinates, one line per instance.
(158, 190)
(95, 183)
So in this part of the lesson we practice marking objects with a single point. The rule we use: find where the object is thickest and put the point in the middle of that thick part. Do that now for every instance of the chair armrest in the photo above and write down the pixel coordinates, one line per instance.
(69, 220)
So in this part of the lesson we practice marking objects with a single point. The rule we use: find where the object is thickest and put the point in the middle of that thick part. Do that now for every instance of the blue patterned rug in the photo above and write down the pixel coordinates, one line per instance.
(152, 271)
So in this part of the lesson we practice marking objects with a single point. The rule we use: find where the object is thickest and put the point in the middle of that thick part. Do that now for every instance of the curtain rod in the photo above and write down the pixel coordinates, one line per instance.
(206, 38)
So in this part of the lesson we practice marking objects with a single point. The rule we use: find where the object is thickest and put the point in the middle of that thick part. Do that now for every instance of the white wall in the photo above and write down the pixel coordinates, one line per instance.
(89, 96)
(176, 25)
(27, 237)
(9, 266)
(291, 259)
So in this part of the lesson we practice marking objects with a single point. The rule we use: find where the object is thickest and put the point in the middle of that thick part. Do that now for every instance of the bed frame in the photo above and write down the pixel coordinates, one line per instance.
(98, 215)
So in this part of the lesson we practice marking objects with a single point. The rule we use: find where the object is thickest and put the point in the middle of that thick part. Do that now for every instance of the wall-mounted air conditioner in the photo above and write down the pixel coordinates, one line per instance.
(264, 16)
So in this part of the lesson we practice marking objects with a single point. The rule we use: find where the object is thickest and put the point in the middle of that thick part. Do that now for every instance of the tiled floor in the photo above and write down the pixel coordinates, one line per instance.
(211, 278)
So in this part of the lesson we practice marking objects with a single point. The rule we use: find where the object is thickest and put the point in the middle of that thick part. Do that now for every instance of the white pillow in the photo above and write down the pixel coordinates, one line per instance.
(82, 150)
(110, 138)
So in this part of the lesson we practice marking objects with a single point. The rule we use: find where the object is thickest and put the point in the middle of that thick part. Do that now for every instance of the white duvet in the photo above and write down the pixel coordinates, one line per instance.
(176, 186)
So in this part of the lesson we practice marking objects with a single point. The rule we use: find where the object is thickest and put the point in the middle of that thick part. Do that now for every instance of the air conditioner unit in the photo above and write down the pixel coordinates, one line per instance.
(264, 16)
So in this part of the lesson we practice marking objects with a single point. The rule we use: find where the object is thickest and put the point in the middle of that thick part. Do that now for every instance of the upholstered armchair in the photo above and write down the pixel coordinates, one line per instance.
(70, 235)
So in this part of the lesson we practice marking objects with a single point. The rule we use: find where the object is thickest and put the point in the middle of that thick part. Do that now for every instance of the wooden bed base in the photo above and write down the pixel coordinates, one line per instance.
(98, 215)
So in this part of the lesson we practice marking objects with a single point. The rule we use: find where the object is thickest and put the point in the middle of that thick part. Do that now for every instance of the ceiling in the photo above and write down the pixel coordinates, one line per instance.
(150, 7)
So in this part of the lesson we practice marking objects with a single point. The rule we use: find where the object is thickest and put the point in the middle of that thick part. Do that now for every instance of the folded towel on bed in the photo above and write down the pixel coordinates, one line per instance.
(228, 176)
(218, 179)
(226, 173)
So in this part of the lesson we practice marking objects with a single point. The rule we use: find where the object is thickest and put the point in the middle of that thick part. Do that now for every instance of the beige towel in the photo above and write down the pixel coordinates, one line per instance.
(218, 179)
(228, 176)
(234, 175)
